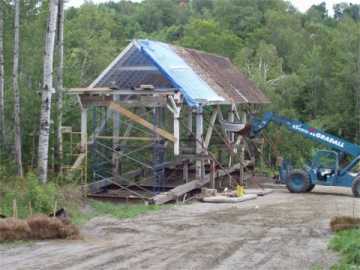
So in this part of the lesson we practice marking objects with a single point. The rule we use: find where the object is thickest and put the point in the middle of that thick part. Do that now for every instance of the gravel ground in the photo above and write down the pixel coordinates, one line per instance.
(277, 231)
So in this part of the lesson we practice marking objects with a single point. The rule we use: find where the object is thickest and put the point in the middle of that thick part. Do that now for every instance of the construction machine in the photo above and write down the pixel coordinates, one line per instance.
(325, 167)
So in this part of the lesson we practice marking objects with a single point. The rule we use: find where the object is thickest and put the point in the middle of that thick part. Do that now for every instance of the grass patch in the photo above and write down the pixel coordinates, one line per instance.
(120, 211)
(347, 243)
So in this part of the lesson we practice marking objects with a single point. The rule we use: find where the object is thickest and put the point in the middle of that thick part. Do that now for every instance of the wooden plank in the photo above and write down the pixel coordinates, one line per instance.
(80, 159)
(163, 133)
(174, 193)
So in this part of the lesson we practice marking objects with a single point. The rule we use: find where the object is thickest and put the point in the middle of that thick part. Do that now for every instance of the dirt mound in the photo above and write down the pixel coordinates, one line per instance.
(344, 223)
(37, 227)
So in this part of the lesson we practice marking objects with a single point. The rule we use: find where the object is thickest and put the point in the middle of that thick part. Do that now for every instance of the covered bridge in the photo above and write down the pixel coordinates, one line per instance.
(163, 123)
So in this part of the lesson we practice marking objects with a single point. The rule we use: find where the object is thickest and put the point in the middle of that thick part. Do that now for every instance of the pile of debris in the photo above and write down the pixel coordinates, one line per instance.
(38, 227)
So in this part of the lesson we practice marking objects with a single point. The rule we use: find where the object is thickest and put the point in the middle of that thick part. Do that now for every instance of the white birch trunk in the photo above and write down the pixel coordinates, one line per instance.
(60, 87)
(2, 103)
(47, 91)
(17, 127)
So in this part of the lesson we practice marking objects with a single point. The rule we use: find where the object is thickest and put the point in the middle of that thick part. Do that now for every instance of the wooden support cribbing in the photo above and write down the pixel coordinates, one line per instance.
(163, 133)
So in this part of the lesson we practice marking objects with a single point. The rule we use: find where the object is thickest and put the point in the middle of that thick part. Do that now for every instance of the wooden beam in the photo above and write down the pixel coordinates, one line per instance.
(163, 133)
(79, 160)
(174, 193)
(210, 128)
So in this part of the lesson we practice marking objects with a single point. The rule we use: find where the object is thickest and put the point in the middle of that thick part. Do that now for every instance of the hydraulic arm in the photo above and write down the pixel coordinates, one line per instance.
(258, 124)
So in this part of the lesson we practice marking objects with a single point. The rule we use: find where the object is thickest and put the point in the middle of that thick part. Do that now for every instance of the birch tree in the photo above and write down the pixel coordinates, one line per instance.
(2, 109)
(47, 91)
(60, 86)
(17, 128)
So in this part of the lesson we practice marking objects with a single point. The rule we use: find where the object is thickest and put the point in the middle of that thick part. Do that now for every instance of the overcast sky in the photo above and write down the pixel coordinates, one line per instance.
(302, 5)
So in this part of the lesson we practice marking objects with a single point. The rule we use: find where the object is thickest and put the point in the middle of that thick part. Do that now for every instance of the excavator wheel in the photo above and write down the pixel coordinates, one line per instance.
(356, 187)
(298, 181)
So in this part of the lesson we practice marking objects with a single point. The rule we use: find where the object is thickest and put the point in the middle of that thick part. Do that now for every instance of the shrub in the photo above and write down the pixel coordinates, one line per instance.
(348, 244)
(27, 192)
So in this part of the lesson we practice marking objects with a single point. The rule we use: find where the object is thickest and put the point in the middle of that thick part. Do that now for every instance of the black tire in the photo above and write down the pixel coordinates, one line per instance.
(311, 187)
(356, 187)
(298, 181)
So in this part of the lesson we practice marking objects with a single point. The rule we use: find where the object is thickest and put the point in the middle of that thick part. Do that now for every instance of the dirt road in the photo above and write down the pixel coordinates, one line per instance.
(278, 231)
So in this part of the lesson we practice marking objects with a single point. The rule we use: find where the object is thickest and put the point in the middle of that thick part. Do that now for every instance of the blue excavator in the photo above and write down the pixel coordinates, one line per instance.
(325, 168)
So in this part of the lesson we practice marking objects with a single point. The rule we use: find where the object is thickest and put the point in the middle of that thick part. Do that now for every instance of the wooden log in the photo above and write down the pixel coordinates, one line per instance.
(179, 191)
(163, 133)
(225, 199)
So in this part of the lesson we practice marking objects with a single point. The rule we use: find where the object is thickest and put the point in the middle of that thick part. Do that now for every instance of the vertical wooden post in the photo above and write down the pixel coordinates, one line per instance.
(177, 130)
(190, 121)
(231, 118)
(186, 171)
(199, 141)
(116, 134)
(242, 152)
(83, 142)
(212, 174)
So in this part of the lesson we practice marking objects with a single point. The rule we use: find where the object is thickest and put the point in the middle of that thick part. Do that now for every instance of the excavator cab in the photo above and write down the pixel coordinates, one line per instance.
(325, 165)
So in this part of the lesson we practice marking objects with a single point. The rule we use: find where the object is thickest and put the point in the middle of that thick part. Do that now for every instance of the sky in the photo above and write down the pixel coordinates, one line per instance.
(301, 5)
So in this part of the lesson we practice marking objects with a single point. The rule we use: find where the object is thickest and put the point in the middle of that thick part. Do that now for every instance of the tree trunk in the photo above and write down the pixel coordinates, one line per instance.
(2, 103)
(17, 124)
(47, 91)
(60, 88)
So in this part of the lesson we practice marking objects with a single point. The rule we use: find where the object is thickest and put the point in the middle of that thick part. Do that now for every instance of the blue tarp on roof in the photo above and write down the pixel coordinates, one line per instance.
(193, 88)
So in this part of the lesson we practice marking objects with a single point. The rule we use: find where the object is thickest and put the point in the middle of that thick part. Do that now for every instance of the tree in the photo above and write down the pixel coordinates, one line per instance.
(47, 91)
(207, 35)
(2, 75)
(60, 86)
(17, 124)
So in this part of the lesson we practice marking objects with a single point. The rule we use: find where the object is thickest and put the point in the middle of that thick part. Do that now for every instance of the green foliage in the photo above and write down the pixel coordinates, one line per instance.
(26, 192)
(208, 35)
(347, 243)
(119, 211)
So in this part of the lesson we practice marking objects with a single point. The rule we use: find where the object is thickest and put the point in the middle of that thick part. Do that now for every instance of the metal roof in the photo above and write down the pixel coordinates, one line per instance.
(202, 78)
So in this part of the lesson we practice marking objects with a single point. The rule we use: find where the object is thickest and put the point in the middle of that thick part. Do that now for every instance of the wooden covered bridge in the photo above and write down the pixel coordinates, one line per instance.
(160, 121)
